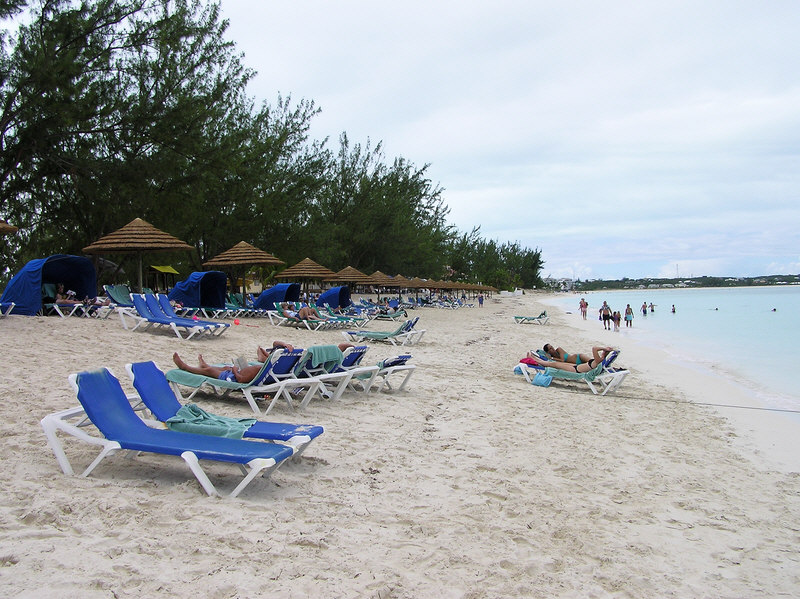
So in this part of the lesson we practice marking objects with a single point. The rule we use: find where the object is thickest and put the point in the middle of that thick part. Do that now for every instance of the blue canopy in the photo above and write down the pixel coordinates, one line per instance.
(25, 288)
(335, 297)
(201, 290)
(282, 292)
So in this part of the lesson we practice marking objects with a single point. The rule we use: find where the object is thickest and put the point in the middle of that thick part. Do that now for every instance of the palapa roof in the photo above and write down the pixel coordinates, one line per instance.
(242, 254)
(306, 269)
(351, 275)
(378, 278)
(137, 236)
(6, 228)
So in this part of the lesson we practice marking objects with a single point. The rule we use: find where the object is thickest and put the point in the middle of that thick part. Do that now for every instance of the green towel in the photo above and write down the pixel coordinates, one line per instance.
(557, 373)
(193, 419)
(324, 354)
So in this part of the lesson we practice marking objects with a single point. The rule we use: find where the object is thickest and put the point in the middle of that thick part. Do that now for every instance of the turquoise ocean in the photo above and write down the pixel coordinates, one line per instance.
(751, 333)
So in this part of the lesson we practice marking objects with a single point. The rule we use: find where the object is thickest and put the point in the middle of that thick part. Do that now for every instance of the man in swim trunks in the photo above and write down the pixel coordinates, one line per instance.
(231, 373)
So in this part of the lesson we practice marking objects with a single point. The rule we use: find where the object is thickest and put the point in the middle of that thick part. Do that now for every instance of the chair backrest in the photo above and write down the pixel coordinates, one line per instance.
(155, 306)
(610, 357)
(49, 291)
(142, 308)
(119, 294)
(283, 365)
(166, 307)
(106, 405)
(396, 361)
(352, 356)
(154, 389)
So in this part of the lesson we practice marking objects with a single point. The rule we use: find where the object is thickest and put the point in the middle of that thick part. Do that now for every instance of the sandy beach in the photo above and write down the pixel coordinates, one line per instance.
(469, 484)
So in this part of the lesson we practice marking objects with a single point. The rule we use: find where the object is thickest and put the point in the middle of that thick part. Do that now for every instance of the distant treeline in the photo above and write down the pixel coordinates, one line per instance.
(120, 109)
(690, 282)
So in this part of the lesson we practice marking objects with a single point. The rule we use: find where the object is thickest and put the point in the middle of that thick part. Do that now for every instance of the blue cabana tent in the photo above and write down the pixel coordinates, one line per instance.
(282, 292)
(201, 290)
(335, 297)
(25, 288)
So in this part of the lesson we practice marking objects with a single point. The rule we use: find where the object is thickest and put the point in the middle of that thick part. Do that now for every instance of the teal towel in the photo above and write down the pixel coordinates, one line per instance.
(557, 373)
(324, 354)
(193, 419)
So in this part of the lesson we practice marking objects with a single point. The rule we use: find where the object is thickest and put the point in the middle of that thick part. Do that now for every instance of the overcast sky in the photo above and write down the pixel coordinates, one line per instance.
(620, 138)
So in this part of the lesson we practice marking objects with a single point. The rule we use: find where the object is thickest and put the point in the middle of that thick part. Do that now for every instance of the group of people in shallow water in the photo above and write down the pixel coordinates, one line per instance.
(577, 362)
(613, 318)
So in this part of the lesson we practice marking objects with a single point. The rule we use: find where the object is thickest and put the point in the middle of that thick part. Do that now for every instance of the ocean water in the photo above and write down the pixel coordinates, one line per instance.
(750, 332)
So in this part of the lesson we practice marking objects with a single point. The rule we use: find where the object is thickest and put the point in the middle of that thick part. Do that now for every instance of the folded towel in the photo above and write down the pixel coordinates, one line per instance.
(193, 419)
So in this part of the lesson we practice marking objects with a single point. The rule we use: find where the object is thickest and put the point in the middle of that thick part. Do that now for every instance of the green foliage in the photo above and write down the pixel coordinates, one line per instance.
(117, 109)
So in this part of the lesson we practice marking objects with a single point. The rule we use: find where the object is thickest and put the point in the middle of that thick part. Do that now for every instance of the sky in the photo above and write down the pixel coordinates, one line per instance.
(621, 139)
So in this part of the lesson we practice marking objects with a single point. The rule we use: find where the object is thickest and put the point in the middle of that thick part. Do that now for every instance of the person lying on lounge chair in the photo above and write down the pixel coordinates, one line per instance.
(231, 373)
(559, 354)
(598, 355)
(304, 313)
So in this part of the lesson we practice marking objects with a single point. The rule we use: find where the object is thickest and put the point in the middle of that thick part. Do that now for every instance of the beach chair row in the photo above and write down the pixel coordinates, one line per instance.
(154, 311)
(119, 426)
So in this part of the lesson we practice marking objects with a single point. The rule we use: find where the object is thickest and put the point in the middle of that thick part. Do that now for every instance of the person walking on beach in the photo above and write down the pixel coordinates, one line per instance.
(584, 306)
(629, 316)
(480, 300)
(616, 317)
(605, 314)
(644, 309)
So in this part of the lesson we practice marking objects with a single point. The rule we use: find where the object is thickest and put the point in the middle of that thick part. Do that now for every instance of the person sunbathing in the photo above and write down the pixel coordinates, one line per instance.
(559, 354)
(304, 313)
(231, 373)
(598, 355)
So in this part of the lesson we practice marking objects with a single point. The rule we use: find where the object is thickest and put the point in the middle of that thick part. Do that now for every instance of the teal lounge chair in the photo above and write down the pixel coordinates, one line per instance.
(543, 318)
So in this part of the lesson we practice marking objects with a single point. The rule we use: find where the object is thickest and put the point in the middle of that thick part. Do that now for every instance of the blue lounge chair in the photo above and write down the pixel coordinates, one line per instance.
(143, 315)
(156, 393)
(394, 366)
(160, 305)
(105, 404)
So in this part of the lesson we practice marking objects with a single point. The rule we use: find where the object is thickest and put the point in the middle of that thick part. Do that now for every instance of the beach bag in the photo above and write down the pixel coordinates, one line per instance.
(542, 380)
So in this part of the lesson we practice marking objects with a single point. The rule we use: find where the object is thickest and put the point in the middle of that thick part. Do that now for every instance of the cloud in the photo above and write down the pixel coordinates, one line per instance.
(618, 139)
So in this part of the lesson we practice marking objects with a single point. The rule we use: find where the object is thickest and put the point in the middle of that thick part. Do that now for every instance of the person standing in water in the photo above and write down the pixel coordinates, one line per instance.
(629, 316)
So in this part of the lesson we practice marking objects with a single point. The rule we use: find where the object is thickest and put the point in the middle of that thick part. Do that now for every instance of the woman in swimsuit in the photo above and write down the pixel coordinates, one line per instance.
(560, 354)
(598, 355)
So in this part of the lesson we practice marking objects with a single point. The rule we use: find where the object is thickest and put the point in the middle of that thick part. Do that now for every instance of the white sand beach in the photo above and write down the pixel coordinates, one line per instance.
(469, 484)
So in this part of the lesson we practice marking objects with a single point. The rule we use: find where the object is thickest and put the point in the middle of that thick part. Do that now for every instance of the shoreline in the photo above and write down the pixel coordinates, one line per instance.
(470, 483)
(768, 435)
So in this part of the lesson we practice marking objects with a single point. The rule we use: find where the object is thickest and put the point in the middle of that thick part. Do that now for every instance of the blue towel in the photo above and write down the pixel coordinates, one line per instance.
(193, 419)
(542, 380)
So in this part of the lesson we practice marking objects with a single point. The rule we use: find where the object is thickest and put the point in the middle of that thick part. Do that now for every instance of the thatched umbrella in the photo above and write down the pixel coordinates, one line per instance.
(306, 270)
(6, 228)
(350, 275)
(241, 255)
(137, 237)
(380, 279)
